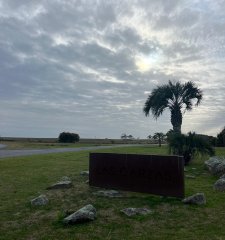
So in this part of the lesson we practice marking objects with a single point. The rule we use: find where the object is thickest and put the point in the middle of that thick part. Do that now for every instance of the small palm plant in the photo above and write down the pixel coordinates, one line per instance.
(189, 146)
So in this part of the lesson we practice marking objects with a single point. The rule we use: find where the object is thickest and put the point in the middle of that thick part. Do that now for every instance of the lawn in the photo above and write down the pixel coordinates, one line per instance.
(23, 178)
(19, 145)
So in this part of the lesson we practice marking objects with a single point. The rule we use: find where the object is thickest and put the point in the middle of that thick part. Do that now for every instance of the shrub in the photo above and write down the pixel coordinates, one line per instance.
(67, 137)
(210, 139)
(189, 146)
(220, 141)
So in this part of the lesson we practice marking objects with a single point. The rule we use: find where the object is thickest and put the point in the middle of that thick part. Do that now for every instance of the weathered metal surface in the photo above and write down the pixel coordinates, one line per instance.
(160, 175)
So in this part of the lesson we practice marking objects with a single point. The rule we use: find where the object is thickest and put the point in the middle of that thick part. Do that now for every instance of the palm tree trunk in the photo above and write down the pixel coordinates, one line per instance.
(177, 128)
(176, 119)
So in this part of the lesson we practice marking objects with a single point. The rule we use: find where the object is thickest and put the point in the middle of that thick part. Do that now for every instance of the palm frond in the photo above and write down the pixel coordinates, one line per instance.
(157, 101)
(189, 93)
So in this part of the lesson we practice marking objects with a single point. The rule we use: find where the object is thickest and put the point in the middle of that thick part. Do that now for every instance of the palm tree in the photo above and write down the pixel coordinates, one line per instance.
(177, 97)
(130, 137)
(149, 137)
(159, 136)
(124, 136)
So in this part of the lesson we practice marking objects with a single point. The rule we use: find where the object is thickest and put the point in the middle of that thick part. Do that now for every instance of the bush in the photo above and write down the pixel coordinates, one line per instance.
(67, 137)
(220, 141)
(189, 146)
(210, 139)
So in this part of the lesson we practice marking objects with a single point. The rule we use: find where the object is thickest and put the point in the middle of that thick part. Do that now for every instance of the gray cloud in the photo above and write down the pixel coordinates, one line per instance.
(88, 66)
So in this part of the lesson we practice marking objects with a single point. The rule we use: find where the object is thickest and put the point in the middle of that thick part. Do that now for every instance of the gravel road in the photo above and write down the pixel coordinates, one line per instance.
(15, 153)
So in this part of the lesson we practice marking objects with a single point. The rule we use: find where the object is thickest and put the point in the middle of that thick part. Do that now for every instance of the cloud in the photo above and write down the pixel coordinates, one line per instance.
(88, 66)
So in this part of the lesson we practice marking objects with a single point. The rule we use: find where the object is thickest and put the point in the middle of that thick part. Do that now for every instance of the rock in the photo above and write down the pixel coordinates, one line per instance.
(220, 185)
(190, 176)
(84, 173)
(185, 170)
(87, 213)
(87, 181)
(108, 193)
(65, 178)
(223, 176)
(39, 201)
(198, 198)
(134, 211)
(193, 168)
(61, 185)
(216, 165)
(212, 163)
(220, 168)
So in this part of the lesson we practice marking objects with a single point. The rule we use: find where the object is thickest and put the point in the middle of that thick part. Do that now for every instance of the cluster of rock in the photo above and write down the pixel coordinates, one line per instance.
(41, 200)
(216, 166)
(89, 213)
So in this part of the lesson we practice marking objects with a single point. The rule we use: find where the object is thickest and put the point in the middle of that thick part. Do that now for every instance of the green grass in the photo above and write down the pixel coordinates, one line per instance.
(24, 178)
(15, 145)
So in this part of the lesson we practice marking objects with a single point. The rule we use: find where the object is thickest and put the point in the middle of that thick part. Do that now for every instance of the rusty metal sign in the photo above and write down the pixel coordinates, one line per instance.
(160, 175)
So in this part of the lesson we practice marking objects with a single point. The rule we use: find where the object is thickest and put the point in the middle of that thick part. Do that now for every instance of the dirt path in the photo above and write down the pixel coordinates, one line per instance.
(16, 153)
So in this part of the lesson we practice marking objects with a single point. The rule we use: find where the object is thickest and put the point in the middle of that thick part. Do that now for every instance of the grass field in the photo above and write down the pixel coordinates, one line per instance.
(20, 145)
(15, 145)
(33, 143)
(24, 178)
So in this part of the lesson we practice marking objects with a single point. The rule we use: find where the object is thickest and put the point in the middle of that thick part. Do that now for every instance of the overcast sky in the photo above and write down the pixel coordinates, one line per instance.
(89, 66)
